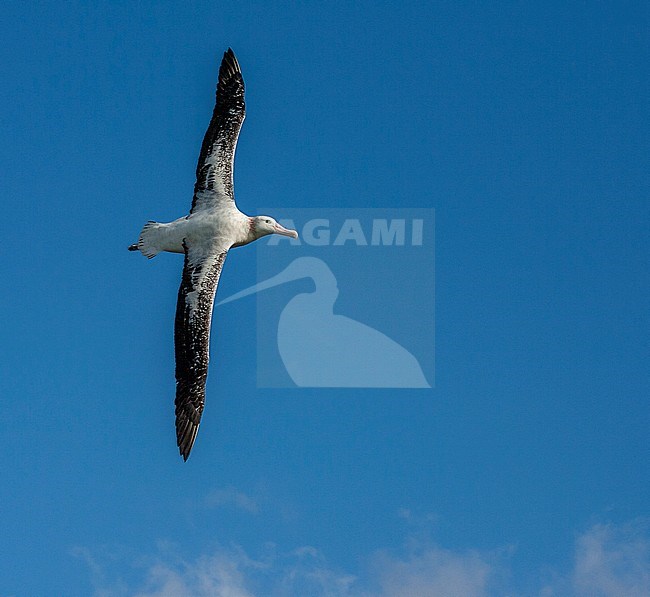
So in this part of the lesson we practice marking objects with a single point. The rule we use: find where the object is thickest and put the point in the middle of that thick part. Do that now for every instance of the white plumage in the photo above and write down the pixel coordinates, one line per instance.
(213, 226)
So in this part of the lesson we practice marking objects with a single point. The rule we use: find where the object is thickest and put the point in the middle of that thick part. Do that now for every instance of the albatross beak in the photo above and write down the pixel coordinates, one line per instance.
(278, 229)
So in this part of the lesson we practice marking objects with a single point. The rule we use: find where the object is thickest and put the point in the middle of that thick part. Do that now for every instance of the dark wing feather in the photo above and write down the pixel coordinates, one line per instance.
(192, 341)
(214, 171)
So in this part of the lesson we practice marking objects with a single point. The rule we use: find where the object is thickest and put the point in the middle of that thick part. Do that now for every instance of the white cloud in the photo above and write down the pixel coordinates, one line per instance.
(225, 573)
(610, 561)
(434, 572)
(218, 575)
(613, 561)
(229, 496)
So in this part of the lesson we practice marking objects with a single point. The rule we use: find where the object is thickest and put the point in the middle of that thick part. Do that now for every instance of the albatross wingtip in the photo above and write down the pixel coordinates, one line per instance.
(229, 63)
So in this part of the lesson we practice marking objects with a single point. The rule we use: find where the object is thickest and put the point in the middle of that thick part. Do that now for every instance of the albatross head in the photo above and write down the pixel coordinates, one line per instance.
(263, 225)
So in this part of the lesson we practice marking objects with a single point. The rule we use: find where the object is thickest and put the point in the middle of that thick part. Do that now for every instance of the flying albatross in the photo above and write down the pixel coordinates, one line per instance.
(213, 226)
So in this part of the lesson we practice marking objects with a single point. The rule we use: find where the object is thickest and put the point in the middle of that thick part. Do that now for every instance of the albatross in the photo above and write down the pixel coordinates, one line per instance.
(213, 226)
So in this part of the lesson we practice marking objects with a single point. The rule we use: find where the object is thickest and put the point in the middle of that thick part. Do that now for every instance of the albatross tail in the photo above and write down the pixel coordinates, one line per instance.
(147, 244)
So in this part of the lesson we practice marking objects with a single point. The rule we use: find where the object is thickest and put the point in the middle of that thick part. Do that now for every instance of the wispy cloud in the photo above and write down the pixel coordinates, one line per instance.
(610, 561)
(435, 572)
(613, 561)
(230, 496)
(231, 573)
(219, 574)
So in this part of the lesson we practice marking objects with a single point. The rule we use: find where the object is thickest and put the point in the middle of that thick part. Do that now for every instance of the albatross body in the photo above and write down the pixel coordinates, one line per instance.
(213, 226)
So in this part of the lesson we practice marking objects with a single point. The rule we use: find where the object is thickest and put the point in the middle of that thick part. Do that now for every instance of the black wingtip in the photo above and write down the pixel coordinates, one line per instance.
(229, 64)
(186, 432)
(186, 444)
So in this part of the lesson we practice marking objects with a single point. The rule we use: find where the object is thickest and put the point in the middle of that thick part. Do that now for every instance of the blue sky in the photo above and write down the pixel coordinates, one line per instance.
(524, 471)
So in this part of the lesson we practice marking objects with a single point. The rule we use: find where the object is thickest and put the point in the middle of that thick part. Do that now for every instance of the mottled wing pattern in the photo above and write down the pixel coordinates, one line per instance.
(214, 171)
(192, 340)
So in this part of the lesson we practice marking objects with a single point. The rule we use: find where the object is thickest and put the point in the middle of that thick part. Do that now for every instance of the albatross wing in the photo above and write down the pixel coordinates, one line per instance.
(214, 171)
(201, 273)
